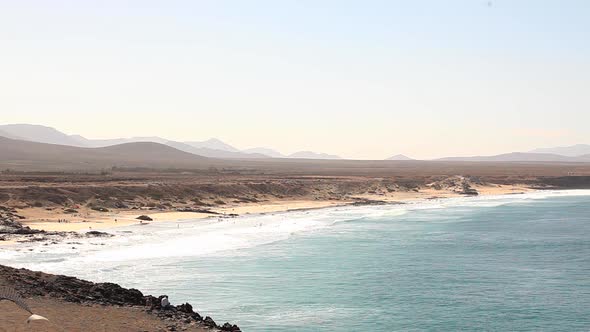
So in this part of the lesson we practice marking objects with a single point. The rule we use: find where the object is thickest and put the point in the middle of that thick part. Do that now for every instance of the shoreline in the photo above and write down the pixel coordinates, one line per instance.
(86, 219)
(142, 312)
(73, 304)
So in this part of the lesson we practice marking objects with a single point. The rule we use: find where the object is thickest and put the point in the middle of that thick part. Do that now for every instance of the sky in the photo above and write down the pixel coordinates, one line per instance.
(361, 79)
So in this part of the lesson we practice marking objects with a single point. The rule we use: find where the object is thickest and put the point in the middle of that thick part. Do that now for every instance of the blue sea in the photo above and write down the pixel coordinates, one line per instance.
(498, 263)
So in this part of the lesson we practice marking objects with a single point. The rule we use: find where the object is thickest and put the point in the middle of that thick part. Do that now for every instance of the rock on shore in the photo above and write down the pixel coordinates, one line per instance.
(9, 223)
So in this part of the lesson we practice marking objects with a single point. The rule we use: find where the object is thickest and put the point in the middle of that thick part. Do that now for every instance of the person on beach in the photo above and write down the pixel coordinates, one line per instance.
(165, 303)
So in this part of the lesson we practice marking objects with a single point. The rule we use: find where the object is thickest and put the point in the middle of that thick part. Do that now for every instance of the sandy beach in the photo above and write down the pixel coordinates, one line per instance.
(87, 219)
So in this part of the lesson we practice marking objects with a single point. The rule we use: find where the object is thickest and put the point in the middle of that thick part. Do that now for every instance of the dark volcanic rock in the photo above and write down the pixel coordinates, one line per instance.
(99, 209)
(208, 321)
(29, 283)
(466, 189)
(186, 307)
(229, 327)
(470, 192)
(120, 205)
(70, 288)
(115, 294)
(11, 228)
(10, 225)
(363, 201)
(196, 210)
(98, 234)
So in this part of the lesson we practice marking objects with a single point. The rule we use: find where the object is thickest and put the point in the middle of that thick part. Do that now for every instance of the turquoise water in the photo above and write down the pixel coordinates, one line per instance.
(502, 264)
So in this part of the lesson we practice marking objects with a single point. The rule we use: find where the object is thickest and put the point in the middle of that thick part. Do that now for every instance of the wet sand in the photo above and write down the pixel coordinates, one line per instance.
(86, 219)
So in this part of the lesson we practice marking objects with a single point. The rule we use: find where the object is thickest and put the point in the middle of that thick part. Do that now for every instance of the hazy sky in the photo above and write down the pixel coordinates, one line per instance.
(362, 79)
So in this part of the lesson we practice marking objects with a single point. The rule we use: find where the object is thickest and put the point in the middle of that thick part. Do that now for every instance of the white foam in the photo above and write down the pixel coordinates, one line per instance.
(229, 236)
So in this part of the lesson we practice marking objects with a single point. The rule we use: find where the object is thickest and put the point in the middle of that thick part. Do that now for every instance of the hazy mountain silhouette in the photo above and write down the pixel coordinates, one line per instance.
(313, 155)
(213, 148)
(140, 154)
(213, 153)
(399, 157)
(8, 135)
(520, 156)
(570, 151)
(265, 151)
(213, 143)
(38, 133)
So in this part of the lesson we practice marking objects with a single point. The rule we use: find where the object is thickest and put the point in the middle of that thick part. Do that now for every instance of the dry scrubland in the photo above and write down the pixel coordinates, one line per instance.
(260, 186)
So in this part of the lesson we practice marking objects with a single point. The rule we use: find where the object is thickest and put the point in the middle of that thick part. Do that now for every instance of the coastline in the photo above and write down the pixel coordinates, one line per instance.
(73, 304)
(142, 315)
(87, 220)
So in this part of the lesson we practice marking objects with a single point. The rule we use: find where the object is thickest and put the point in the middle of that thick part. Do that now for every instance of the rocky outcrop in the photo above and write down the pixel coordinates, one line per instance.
(457, 184)
(97, 234)
(466, 189)
(12, 229)
(99, 208)
(196, 210)
(366, 201)
(184, 312)
(9, 223)
(29, 283)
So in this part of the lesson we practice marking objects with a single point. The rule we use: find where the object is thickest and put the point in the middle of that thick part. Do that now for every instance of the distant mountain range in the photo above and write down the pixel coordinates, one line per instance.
(215, 148)
(524, 157)
(265, 151)
(312, 155)
(40, 134)
(568, 151)
(22, 154)
(574, 153)
(212, 148)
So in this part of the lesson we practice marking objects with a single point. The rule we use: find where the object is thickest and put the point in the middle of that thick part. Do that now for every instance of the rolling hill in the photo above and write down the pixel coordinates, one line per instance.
(21, 154)
(212, 148)
(399, 157)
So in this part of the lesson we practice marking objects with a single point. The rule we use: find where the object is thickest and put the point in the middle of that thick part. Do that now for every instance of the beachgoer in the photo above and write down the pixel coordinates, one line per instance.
(165, 303)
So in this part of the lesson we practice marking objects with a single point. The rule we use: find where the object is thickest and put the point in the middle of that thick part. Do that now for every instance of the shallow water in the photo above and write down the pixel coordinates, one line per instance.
(519, 262)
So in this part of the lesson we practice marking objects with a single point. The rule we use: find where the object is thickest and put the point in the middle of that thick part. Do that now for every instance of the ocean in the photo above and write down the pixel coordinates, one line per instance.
(496, 263)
